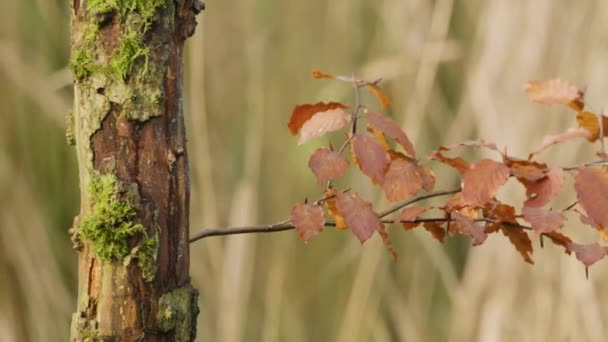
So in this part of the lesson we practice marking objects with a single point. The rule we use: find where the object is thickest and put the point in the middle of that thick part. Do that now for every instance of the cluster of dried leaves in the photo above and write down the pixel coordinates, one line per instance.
(385, 154)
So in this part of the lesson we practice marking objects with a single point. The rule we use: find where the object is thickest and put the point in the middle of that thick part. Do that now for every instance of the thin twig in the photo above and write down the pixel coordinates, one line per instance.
(286, 225)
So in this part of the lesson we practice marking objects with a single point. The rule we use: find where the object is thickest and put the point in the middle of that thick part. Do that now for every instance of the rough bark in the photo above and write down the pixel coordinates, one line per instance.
(128, 128)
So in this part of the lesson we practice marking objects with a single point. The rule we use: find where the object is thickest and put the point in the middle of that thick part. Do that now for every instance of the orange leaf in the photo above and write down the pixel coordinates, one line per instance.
(389, 127)
(370, 156)
(411, 214)
(572, 133)
(543, 191)
(385, 102)
(436, 229)
(327, 165)
(589, 121)
(402, 179)
(560, 240)
(588, 254)
(526, 171)
(520, 239)
(428, 178)
(466, 225)
(358, 215)
(591, 187)
(330, 204)
(481, 181)
(458, 163)
(502, 213)
(320, 74)
(323, 122)
(308, 219)
(553, 91)
(543, 221)
(387, 242)
(303, 113)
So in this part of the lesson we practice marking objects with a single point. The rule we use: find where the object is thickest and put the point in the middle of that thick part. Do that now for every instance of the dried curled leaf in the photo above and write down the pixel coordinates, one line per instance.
(520, 239)
(543, 221)
(390, 128)
(570, 134)
(409, 214)
(370, 156)
(308, 219)
(358, 215)
(560, 240)
(554, 91)
(387, 242)
(588, 254)
(590, 122)
(466, 225)
(591, 187)
(302, 113)
(327, 165)
(458, 163)
(403, 178)
(543, 191)
(436, 229)
(318, 74)
(481, 181)
(385, 102)
(323, 122)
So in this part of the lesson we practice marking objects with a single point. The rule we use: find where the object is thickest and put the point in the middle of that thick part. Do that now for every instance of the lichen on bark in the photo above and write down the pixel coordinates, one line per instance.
(177, 310)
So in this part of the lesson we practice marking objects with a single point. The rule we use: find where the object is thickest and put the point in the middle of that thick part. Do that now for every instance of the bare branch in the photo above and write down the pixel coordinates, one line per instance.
(286, 225)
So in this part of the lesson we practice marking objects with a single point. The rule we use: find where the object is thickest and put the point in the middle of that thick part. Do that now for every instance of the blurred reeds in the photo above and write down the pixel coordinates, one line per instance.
(454, 70)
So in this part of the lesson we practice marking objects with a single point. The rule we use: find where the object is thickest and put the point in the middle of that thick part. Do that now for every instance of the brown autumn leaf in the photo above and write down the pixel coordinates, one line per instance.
(436, 229)
(302, 113)
(411, 214)
(458, 163)
(455, 202)
(327, 165)
(384, 100)
(428, 178)
(402, 179)
(588, 254)
(370, 156)
(380, 136)
(467, 226)
(471, 143)
(501, 213)
(481, 181)
(390, 128)
(526, 171)
(318, 74)
(387, 242)
(591, 187)
(543, 221)
(570, 134)
(554, 91)
(308, 219)
(358, 215)
(543, 191)
(323, 122)
(520, 239)
(560, 240)
(589, 121)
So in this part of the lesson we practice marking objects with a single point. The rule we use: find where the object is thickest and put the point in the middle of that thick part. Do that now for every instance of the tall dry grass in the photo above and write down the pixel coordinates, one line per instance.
(454, 70)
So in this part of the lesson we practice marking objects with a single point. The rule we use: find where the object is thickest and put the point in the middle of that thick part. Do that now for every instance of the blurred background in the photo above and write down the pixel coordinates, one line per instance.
(455, 70)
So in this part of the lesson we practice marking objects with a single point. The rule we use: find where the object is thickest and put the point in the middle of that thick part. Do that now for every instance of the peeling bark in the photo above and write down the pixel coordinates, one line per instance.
(128, 122)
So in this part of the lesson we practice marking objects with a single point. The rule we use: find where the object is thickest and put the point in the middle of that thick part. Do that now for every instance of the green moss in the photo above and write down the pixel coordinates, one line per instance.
(109, 225)
(83, 329)
(177, 310)
(69, 131)
(130, 50)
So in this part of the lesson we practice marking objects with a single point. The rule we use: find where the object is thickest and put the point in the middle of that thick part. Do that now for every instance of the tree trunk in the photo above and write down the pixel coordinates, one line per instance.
(128, 128)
